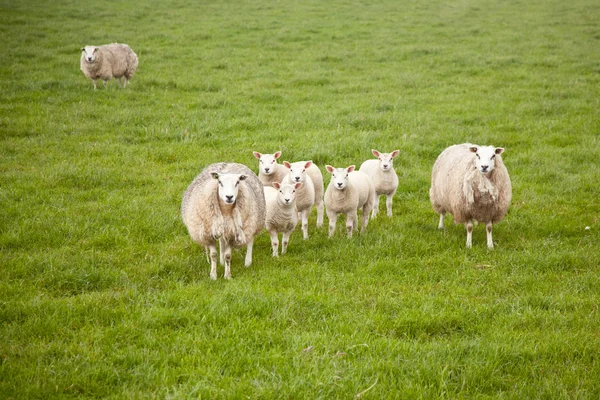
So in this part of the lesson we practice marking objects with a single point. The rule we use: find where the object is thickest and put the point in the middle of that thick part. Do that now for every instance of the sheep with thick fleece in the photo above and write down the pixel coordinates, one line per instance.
(305, 198)
(471, 183)
(348, 191)
(225, 202)
(298, 172)
(269, 170)
(109, 61)
(282, 215)
(384, 178)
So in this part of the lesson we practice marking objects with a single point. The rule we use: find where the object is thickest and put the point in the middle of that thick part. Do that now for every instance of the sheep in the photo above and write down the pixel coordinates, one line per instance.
(348, 191)
(268, 169)
(282, 215)
(298, 172)
(305, 198)
(471, 183)
(109, 61)
(384, 178)
(225, 202)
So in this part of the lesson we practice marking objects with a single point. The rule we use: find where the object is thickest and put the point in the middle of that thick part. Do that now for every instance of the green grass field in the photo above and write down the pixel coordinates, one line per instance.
(103, 293)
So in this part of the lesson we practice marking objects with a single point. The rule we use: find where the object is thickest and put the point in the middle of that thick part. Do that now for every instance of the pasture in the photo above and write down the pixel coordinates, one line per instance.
(104, 295)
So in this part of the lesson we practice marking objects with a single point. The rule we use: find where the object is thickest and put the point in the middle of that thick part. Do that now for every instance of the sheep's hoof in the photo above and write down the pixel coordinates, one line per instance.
(228, 277)
(213, 277)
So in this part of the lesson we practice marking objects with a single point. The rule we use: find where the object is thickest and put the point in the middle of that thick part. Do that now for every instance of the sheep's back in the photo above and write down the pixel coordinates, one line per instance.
(363, 186)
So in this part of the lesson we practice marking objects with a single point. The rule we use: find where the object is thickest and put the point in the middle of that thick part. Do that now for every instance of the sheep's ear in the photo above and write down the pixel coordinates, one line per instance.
(276, 185)
(215, 175)
(257, 154)
(277, 155)
(308, 164)
(473, 149)
(287, 165)
(329, 169)
(83, 49)
(242, 177)
(499, 150)
(298, 185)
(375, 153)
(395, 153)
(351, 168)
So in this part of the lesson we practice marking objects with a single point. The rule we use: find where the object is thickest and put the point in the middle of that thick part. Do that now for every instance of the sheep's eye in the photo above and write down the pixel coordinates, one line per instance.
(260, 161)
(478, 156)
(273, 162)
(293, 191)
(493, 156)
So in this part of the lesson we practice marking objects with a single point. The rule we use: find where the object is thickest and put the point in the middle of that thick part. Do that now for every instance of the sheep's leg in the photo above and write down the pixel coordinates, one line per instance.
(332, 217)
(441, 224)
(305, 223)
(221, 247)
(248, 260)
(95, 86)
(488, 230)
(469, 226)
(365, 219)
(388, 203)
(320, 212)
(274, 242)
(285, 239)
(104, 81)
(121, 81)
(375, 207)
(227, 252)
(351, 222)
(213, 261)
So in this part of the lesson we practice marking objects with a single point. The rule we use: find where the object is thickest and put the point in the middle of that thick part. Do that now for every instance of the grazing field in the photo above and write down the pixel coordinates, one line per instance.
(103, 293)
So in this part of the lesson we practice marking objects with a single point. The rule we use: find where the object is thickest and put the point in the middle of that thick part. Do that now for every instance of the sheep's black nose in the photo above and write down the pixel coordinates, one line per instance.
(484, 167)
(385, 165)
(287, 201)
(340, 184)
(267, 169)
(297, 179)
(229, 198)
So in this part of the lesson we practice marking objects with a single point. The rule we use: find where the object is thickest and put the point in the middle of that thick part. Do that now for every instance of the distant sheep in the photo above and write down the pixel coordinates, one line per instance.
(269, 170)
(225, 202)
(384, 178)
(348, 191)
(471, 183)
(109, 61)
(305, 198)
(282, 215)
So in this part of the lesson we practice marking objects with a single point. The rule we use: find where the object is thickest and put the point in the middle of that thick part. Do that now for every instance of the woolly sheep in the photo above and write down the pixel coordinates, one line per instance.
(269, 170)
(109, 61)
(471, 183)
(305, 198)
(282, 215)
(225, 202)
(384, 178)
(348, 191)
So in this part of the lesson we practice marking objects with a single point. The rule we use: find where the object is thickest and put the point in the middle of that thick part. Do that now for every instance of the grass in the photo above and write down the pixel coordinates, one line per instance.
(103, 294)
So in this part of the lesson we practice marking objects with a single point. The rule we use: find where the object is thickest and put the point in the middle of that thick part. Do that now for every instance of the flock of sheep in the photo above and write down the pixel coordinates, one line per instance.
(229, 203)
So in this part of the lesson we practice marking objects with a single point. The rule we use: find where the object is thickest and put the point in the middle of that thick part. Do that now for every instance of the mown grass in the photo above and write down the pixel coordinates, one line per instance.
(103, 294)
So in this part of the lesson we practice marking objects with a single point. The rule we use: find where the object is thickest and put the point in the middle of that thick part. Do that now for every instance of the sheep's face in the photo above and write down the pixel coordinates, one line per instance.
(228, 186)
(386, 160)
(485, 157)
(267, 162)
(298, 170)
(89, 53)
(339, 176)
(287, 192)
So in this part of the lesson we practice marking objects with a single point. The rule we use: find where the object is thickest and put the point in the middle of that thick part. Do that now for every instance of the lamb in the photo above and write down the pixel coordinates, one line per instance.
(109, 61)
(348, 191)
(268, 169)
(471, 183)
(282, 215)
(305, 198)
(225, 202)
(384, 178)
(298, 171)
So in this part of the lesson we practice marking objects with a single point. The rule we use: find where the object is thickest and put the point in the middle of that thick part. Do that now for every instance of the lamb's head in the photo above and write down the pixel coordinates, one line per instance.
(298, 170)
(228, 185)
(287, 192)
(267, 162)
(89, 53)
(339, 176)
(485, 157)
(386, 160)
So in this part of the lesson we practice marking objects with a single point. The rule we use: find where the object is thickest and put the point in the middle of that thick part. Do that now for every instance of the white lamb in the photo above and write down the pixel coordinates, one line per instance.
(471, 183)
(305, 198)
(298, 172)
(384, 178)
(225, 202)
(269, 170)
(348, 191)
(282, 215)
(109, 61)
